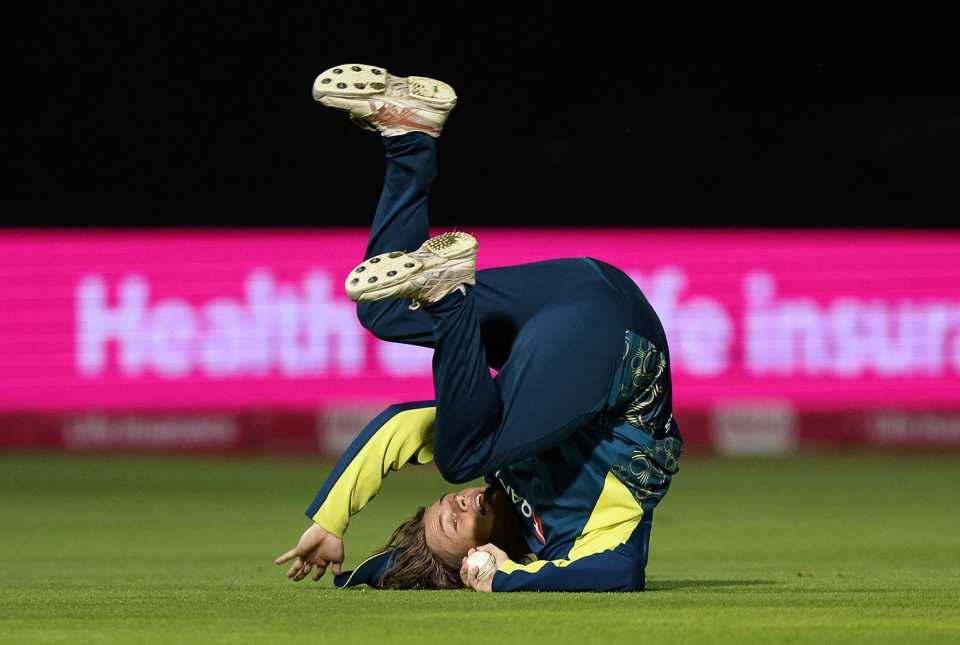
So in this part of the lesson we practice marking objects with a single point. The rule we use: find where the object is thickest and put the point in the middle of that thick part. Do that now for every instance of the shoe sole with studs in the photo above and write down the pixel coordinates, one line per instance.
(358, 81)
(350, 81)
(385, 275)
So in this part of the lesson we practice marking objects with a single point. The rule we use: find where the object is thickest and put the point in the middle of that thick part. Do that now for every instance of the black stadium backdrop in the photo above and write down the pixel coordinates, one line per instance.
(199, 114)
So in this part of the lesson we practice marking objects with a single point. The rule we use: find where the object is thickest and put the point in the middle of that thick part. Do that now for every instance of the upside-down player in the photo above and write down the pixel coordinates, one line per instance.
(575, 436)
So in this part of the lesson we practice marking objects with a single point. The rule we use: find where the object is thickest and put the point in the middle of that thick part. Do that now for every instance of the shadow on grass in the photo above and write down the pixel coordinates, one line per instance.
(670, 585)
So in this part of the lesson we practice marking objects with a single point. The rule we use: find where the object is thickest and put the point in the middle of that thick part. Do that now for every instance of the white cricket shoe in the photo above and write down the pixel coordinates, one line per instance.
(426, 275)
(391, 105)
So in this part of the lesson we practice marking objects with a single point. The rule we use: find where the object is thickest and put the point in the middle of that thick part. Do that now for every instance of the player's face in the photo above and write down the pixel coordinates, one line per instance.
(460, 521)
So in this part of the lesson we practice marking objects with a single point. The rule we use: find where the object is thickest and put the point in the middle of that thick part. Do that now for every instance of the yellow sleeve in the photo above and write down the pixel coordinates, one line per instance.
(401, 434)
(609, 554)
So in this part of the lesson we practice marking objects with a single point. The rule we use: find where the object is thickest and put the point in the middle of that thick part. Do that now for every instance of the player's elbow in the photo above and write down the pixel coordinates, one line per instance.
(635, 580)
(637, 583)
(625, 583)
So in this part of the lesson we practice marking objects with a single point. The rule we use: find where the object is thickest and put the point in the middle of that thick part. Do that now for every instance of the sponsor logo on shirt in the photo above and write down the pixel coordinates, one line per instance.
(525, 508)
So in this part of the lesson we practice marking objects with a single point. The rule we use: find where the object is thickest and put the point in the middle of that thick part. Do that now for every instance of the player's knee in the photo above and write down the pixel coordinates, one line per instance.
(371, 317)
(462, 445)
(452, 467)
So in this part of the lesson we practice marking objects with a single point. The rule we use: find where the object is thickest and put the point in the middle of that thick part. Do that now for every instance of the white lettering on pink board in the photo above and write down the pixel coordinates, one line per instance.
(699, 329)
(847, 337)
(277, 328)
(229, 320)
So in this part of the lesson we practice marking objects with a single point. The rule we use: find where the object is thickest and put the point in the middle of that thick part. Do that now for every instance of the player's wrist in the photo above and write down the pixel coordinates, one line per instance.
(332, 529)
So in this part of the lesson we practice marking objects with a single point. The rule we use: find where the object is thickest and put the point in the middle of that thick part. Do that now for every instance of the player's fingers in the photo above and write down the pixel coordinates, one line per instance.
(286, 556)
(298, 574)
(294, 568)
(472, 577)
(318, 573)
(337, 568)
(493, 550)
(304, 571)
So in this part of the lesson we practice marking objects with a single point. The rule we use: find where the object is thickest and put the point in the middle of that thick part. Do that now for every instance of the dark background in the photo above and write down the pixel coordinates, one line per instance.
(158, 114)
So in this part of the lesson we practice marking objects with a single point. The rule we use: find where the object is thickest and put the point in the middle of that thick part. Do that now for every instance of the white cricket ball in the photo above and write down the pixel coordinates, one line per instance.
(483, 561)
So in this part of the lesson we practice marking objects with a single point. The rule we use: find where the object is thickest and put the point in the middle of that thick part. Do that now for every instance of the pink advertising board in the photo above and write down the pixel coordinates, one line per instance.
(192, 320)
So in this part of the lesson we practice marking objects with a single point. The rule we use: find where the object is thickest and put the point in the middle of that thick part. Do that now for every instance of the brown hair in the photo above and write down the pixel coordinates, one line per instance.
(416, 566)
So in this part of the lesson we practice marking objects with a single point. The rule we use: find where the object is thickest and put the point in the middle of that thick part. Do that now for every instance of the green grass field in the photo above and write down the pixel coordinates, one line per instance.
(801, 550)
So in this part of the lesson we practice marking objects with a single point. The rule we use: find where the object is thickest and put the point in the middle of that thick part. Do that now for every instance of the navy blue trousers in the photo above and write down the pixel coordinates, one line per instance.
(553, 330)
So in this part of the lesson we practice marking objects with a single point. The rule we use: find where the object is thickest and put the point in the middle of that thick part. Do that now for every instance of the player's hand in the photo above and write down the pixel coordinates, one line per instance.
(469, 576)
(317, 548)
